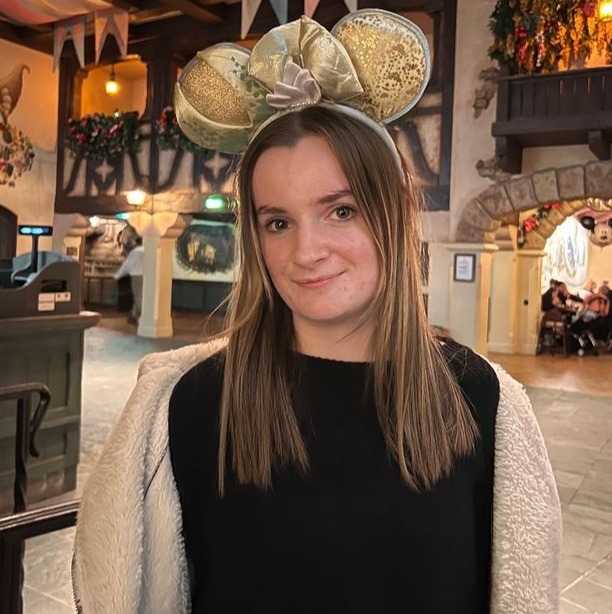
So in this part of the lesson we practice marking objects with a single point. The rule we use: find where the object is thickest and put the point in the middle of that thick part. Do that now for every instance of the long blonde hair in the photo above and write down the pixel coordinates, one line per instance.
(422, 413)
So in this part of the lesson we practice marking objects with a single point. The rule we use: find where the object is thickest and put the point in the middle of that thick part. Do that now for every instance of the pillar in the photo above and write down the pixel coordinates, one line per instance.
(159, 232)
(504, 289)
(529, 274)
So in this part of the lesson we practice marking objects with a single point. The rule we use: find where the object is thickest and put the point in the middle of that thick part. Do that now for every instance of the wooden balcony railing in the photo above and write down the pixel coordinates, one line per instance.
(564, 108)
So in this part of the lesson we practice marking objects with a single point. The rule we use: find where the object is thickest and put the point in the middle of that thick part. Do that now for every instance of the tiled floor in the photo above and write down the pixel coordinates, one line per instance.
(572, 399)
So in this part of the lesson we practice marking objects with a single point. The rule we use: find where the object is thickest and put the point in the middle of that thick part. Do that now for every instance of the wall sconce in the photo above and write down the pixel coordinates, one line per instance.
(136, 198)
(605, 10)
(111, 87)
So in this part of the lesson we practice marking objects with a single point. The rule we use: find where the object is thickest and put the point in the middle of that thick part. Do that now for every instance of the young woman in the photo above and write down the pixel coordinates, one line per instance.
(328, 453)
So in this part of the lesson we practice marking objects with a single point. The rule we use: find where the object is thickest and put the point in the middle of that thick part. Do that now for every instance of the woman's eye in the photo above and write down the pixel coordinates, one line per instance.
(344, 213)
(276, 225)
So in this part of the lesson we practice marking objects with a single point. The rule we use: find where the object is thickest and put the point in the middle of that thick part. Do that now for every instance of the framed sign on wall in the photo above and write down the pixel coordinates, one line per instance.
(464, 267)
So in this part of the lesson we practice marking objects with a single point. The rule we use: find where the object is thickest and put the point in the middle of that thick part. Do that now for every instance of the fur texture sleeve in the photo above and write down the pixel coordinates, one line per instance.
(526, 511)
(128, 552)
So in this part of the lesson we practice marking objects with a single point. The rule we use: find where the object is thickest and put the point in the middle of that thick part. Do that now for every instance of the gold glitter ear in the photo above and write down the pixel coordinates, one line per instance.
(391, 57)
(217, 104)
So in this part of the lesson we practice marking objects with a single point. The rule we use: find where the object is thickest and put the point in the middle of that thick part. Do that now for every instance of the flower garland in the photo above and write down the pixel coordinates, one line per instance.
(586, 34)
(16, 153)
(533, 222)
(99, 137)
(170, 135)
(534, 36)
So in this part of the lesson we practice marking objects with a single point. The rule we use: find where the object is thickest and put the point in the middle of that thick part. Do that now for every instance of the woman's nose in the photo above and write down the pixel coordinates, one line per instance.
(310, 244)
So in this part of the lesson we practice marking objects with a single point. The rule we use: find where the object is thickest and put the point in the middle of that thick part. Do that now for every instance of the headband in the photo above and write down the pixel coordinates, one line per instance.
(374, 65)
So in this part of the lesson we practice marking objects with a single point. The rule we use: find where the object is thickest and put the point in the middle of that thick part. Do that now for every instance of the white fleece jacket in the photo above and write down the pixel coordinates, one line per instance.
(129, 556)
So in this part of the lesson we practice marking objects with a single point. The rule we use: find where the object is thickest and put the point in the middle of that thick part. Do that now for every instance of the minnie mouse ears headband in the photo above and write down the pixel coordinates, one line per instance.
(374, 65)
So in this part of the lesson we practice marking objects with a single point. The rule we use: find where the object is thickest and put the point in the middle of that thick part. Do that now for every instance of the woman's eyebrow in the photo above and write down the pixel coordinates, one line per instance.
(333, 196)
(324, 200)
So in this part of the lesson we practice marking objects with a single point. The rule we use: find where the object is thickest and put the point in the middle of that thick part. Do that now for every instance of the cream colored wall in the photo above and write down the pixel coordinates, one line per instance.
(541, 158)
(472, 139)
(471, 143)
(130, 97)
(32, 198)
(503, 302)
(600, 263)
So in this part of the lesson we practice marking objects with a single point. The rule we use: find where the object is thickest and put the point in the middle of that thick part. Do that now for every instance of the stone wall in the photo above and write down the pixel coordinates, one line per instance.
(482, 215)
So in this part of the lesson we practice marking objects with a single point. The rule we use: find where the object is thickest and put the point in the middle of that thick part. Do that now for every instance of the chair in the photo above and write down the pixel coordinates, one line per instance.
(553, 335)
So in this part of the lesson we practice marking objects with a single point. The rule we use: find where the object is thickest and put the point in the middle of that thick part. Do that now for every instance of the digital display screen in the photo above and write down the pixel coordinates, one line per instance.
(37, 231)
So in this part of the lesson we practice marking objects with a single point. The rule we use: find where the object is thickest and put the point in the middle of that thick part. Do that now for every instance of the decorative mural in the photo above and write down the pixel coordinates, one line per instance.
(600, 230)
(16, 151)
(418, 138)
(566, 255)
(205, 252)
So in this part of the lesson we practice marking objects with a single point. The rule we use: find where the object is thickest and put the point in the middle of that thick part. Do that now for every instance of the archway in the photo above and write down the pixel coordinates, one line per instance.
(571, 187)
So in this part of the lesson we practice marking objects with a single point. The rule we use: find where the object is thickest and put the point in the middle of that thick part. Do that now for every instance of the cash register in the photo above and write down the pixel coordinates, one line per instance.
(40, 283)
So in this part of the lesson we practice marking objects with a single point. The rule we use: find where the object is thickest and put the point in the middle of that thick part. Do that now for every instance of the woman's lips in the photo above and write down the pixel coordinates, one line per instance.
(317, 282)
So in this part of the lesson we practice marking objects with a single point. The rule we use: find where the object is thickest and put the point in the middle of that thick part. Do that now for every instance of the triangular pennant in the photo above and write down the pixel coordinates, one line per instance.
(351, 5)
(249, 9)
(114, 22)
(69, 28)
(310, 6)
(280, 9)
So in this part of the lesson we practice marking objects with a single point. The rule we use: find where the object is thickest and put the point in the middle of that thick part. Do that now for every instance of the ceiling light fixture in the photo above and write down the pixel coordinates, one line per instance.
(111, 87)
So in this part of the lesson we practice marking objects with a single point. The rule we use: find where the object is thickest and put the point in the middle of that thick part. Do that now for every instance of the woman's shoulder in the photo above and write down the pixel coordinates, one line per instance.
(476, 378)
(468, 366)
(181, 360)
(205, 374)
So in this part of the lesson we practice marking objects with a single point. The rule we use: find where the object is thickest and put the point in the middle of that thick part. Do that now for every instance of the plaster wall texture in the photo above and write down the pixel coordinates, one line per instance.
(132, 94)
(600, 263)
(472, 139)
(542, 158)
(32, 198)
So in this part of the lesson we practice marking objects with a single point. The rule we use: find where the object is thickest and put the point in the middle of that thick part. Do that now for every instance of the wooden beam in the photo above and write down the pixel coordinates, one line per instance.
(21, 35)
(599, 144)
(193, 10)
(509, 154)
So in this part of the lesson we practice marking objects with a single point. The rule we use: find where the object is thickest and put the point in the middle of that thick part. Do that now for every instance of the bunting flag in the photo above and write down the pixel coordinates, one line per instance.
(73, 28)
(310, 6)
(280, 10)
(250, 8)
(114, 22)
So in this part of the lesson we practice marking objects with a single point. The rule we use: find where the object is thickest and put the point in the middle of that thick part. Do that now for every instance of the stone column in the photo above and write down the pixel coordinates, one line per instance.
(159, 231)
(465, 310)
(502, 317)
(529, 274)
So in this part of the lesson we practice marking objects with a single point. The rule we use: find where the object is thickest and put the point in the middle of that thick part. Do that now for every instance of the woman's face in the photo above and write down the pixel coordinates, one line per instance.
(316, 246)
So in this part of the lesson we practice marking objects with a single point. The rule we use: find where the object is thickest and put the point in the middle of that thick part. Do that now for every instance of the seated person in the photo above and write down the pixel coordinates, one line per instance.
(589, 289)
(562, 300)
(594, 306)
(547, 303)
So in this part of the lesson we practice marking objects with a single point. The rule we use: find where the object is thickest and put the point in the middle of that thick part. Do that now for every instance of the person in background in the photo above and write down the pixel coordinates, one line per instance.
(589, 289)
(132, 266)
(328, 452)
(549, 297)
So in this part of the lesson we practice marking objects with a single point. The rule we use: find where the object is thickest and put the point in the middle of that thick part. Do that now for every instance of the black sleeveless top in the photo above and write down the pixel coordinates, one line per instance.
(349, 536)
